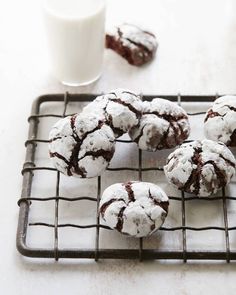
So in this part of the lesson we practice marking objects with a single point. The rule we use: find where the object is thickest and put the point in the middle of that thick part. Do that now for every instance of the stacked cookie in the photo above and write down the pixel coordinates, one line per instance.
(203, 167)
(83, 145)
(120, 109)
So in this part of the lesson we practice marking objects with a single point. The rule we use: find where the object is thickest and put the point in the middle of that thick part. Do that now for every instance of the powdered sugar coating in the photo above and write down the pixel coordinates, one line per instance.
(220, 121)
(163, 124)
(81, 145)
(121, 109)
(134, 208)
(138, 46)
(200, 167)
(132, 35)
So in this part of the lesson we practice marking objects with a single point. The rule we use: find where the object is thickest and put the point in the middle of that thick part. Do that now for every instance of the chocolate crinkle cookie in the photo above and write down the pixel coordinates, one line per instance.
(137, 46)
(200, 167)
(81, 145)
(163, 125)
(121, 109)
(220, 120)
(134, 208)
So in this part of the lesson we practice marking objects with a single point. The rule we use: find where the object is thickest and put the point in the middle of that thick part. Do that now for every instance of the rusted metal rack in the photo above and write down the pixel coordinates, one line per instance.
(97, 253)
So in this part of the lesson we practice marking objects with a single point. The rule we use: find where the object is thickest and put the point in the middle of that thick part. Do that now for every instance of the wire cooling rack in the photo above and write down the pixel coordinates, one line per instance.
(140, 252)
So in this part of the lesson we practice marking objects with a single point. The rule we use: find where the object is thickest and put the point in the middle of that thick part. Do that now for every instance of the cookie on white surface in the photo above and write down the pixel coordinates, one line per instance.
(121, 109)
(81, 145)
(136, 45)
(200, 167)
(134, 208)
(163, 125)
(220, 120)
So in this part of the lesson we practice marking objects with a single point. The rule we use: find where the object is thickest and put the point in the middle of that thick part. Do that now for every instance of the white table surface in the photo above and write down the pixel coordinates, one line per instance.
(197, 55)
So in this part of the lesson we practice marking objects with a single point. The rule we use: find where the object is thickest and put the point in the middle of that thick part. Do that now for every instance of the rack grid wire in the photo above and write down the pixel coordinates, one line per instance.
(97, 253)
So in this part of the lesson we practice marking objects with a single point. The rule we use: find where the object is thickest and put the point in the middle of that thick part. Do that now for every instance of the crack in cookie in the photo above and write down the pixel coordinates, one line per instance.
(74, 158)
(128, 187)
(164, 205)
(120, 218)
(128, 105)
(107, 204)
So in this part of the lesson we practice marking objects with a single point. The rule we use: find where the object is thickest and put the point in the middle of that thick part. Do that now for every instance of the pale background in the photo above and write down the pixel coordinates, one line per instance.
(197, 55)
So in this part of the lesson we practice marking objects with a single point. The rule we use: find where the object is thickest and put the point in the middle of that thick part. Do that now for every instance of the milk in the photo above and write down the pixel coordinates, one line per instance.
(76, 38)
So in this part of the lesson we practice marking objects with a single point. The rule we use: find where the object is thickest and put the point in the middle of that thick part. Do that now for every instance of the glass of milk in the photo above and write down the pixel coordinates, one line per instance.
(76, 38)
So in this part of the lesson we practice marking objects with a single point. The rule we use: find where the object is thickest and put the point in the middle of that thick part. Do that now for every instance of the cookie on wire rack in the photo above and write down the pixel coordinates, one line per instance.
(163, 125)
(220, 120)
(134, 208)
(81, 145)
(200, 167)
(120, 108)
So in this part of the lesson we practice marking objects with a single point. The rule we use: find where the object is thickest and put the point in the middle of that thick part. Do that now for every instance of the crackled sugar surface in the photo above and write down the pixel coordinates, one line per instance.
(81, 145)
(163, 124)
(135, 44)
(134, 208)
(121, 109)
(220, 121)
(200, 167)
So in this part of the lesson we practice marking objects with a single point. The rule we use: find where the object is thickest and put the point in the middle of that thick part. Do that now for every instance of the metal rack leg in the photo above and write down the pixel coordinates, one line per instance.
(140, 179)
(56, 251)
(184, 230)
(56, 256)
(227, 244)
(98, 219)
